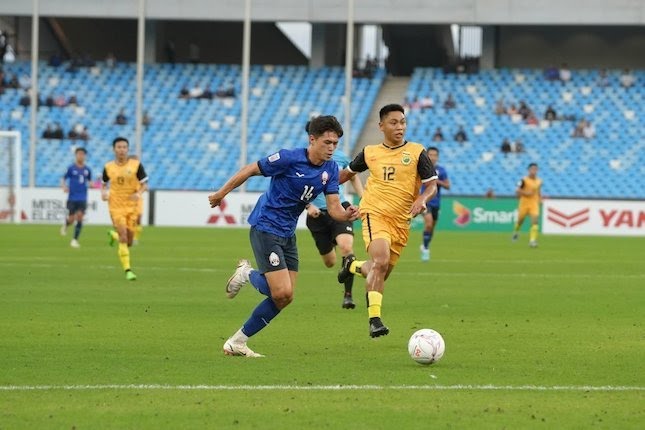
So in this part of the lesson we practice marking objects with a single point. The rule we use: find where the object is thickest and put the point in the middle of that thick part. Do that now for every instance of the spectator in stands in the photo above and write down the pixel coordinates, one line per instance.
(565, 73)
(78, 132)
(406, 104)
(512, 110)
(227, 91)
(550, 114)
(110, 60)
(84, 134)
(490, 194)
(551, 73)
(524, 110)
(450, 102)
(58, 132)
(461, 136)
(518, 146)
(184, 93)
(25, 100)
(146, 120)
(121, 119)
(500, 109)
(60, 101)
(195, 92)
(13, 82)
(603, 79)
(578, 130)
(426, 103)
(532, 119)
(49, 101)
(3, 45)
(627, 79)
(506, 146)
(72, 100)
(207, 94)
(49, 132)
(415, 104)
(589, 131)
(438, 135)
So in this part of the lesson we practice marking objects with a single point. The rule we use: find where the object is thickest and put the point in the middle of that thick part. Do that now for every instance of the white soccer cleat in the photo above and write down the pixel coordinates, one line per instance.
(533, 244)
(63, 230)
(425, 254)
(239, 278)
(74, 244)
(239, 349)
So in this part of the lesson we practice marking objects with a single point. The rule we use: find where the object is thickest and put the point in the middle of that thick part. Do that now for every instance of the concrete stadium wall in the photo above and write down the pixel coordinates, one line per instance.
(616, 12)
(578, 46)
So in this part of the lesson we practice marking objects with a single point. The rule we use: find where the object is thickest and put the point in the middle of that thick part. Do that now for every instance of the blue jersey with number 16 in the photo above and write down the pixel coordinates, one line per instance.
(295, 181)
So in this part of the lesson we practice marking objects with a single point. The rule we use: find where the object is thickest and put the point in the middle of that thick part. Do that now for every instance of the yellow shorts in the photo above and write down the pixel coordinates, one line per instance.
(395, 232)
(531, 209)
(124, 218)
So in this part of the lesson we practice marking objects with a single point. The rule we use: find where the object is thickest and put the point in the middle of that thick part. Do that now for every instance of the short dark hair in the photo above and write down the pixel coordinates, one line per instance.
(532, 165)
(390, 108)
(321, 124)
(433, 148)
(120, 139)
(80, 149)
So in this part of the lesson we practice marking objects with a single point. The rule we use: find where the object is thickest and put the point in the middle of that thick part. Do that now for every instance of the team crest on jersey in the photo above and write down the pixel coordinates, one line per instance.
(406, 159)
(274, 260)
(325, 177)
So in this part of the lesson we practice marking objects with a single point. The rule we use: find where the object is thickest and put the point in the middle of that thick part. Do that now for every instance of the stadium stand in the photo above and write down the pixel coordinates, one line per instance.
(610, 164)
(189, 143)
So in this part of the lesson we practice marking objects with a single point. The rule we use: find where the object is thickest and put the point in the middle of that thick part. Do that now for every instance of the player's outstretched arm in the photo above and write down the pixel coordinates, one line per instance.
(419, 204)
(337, 211)
(345, 175)
(235, 181)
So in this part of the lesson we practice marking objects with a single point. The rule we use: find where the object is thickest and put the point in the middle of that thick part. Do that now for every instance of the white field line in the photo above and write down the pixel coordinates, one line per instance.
(430, 273)
(152, 387)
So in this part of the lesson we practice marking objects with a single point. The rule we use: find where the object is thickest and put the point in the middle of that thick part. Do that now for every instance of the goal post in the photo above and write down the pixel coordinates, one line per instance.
(10, 176)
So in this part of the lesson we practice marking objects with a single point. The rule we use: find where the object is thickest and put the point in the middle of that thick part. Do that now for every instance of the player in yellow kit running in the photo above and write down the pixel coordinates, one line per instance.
(529, 192)
(390, 200)
(127, 180)
(138, 228)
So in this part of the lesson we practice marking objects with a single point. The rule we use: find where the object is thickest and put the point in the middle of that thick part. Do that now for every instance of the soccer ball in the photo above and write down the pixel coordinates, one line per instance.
(426, 346)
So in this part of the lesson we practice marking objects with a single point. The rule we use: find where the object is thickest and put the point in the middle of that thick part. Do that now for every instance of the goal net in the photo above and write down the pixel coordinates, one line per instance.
(10, 176)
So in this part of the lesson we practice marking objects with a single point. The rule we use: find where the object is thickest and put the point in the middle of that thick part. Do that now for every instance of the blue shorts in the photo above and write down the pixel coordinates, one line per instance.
(76, 206)
(274, 252)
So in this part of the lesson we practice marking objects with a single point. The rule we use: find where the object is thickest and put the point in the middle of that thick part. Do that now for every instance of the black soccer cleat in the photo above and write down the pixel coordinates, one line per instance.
(377, 328)
(344, 273)
(348, 302)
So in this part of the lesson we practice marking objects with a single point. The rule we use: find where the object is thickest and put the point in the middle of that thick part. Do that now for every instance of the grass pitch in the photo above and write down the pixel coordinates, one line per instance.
(536, 338)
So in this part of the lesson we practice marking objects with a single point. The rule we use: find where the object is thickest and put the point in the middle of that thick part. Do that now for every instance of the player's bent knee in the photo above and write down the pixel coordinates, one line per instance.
(282, 298)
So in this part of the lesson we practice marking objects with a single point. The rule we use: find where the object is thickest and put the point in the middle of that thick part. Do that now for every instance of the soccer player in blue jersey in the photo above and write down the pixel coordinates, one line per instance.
(297, 177)
(329, 233)
(75, 183)
(432, 215)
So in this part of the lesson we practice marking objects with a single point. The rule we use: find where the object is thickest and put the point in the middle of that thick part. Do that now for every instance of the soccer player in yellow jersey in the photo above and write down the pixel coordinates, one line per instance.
(529, 192)
(390, 200)
(127, 180)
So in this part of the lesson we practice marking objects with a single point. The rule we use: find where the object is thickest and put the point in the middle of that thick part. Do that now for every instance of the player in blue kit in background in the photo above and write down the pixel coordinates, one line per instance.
(329, 233)
(297, 177)
(432, 215)
(75, 182)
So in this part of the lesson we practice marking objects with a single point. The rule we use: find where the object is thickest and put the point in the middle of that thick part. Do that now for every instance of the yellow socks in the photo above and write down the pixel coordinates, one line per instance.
(114, 234)
(124, 255)
(137, 232)
(374, 299)
(533, 233)
(355, 267)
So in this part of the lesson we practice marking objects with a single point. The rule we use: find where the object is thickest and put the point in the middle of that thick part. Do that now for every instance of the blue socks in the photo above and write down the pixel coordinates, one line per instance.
(261, 317)
(427, 238)
(265, 311)
(77, 229)
(259, 282)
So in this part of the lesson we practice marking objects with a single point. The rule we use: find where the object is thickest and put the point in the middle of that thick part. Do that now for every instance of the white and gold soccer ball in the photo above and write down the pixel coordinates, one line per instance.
(426, 346)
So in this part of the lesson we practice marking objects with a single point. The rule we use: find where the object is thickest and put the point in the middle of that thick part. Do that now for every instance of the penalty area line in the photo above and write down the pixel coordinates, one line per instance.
(467, 387)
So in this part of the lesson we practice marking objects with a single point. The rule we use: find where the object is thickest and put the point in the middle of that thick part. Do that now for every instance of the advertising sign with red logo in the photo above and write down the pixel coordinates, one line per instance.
(594, 217)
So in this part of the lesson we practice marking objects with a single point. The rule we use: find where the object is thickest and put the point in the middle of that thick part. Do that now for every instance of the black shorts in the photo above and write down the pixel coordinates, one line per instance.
(434, 211)
(76, 206)
(274, 252)
(324, 229)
